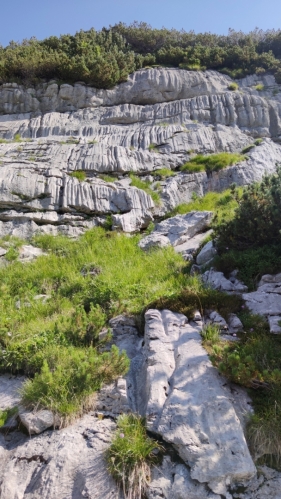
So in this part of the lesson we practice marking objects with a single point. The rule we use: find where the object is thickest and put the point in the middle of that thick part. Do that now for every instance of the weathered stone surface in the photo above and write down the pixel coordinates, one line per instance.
(274, 324)
(65, 464)
(201, 424)
(217, 280)
(177, 230)
(267, 299)
(207, 253)
(173, 481)
(37, 421)
(9, 390)
(71, 128)
(27, 252)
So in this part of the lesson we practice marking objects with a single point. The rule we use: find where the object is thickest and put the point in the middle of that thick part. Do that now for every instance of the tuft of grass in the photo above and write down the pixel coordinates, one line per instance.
(248, 148)
(6, 414)
(163, 173)
(233, 86)
(145, 186)
(259, 87)
(108, 178)
(79, 174)
(3, 141)
(258, 142)
(212, 162)
(17, 138)
(130, 456)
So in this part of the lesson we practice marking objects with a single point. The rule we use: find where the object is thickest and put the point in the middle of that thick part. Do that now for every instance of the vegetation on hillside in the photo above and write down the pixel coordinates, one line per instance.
(211, 162)
(104, 58)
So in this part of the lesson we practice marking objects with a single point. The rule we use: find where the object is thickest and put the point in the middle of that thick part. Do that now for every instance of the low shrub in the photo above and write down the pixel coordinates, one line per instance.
(131, 454)
(69, 376)
(259, 87)
(233, 86)
(248, 148)
(212, 162)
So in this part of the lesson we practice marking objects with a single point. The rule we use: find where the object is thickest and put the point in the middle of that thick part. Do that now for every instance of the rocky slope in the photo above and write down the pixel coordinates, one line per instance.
(157, 119)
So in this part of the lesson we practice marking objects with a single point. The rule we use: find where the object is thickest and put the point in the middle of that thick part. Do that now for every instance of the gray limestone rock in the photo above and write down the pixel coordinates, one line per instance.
(67, 464)
(178, 231)
(37, 421)
(217, 280)
(207, 253)
(234, 323)
(9, 390)
(201, 425)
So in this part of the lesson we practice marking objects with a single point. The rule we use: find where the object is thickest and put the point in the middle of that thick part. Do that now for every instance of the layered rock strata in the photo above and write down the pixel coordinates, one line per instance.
(157, 119)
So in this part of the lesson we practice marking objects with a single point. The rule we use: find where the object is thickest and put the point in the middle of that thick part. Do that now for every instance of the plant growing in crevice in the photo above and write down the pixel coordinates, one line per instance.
(130, 456)
(212, 162)
(79, 175)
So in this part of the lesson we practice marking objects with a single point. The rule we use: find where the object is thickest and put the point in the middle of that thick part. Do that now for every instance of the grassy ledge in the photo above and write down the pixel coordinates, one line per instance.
(212, 162)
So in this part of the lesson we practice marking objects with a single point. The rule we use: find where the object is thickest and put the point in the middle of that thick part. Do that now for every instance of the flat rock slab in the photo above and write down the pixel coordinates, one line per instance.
(64, 464)
(9, 390)
(184, 402)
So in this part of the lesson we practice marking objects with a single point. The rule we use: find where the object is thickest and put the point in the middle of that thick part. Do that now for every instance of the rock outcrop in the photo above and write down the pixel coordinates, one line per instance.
(157, 119)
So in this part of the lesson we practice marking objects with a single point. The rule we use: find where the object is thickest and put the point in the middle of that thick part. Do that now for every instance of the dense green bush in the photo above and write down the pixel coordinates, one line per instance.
(257, 220)
(104, 58)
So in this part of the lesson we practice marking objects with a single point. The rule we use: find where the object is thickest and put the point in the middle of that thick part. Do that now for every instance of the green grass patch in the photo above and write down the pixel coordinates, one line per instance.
(69, 376)
(79, 174)
(131, 454)
(152, 147)
(259, 87)
(212, 162)
(163, 173)
(221, 203)
(145, 186)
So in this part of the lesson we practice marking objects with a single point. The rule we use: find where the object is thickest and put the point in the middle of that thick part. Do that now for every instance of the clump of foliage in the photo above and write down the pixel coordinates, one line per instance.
(255, 362)
(233, 86)
(257, 219)
(79, 174)
(105, 58)
(259, 87)
(212, 162)
(69, 376)
(131, 454)
(248, 148)
(145, 186)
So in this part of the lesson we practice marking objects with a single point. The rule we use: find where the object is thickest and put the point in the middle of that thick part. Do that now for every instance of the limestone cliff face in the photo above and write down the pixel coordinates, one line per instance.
(157, 119)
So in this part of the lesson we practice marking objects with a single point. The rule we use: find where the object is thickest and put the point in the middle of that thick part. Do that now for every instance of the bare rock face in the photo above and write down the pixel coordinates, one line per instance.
(68, 463)
(181, 396)
(157, 119)
(266, 301)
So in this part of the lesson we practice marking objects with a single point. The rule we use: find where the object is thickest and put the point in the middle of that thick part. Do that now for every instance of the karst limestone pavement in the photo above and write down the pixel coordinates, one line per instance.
(157, 119)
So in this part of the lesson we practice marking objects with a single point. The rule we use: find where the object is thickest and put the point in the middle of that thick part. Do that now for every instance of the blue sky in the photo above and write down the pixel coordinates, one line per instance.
(21, 19)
